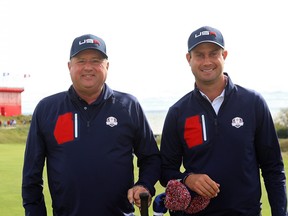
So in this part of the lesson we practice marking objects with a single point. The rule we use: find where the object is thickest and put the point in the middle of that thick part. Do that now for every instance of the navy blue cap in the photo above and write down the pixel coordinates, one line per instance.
(205, 34)
(88, 41)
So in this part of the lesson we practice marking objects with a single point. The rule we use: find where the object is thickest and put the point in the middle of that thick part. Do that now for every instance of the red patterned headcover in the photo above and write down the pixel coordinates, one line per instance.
(178, 198)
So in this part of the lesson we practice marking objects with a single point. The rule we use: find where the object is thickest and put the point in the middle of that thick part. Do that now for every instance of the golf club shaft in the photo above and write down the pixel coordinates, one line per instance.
(144, 204)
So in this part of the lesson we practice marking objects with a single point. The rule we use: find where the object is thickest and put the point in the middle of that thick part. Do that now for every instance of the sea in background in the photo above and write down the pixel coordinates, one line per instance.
(156, 108)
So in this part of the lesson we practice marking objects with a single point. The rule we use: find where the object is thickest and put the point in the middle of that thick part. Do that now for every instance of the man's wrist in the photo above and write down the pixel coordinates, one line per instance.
(185, 178)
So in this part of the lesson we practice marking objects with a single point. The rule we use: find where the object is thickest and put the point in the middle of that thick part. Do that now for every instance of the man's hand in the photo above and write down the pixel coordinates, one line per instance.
(133, 195)
(203, 185)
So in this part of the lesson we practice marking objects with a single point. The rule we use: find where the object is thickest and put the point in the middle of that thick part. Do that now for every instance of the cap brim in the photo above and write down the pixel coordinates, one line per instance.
(86, 48)
(205, 41)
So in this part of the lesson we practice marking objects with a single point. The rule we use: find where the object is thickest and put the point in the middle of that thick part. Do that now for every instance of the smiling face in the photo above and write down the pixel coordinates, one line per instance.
(88, 71)
(207, 63)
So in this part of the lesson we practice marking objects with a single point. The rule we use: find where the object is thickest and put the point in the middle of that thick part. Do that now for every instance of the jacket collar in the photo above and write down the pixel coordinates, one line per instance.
(106, 93)
(230, 87)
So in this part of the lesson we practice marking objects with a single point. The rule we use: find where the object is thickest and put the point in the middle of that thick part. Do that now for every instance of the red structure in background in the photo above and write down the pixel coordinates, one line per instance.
(10, 101)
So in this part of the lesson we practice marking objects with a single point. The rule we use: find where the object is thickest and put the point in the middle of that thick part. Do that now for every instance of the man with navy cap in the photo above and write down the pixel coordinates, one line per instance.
(88, 136)
(224, 137)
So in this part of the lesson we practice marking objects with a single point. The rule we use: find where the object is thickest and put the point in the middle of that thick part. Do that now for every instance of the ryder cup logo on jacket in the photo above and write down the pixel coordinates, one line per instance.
(91, 41)
(111, 121)
(237, 122)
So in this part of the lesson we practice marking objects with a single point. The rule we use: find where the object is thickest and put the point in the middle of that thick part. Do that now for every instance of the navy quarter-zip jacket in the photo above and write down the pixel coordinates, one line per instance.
(229, 147)
(89, 152)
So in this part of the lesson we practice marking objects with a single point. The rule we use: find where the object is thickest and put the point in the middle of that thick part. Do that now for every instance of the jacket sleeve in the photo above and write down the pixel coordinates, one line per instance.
(171, 150)
(270, 161)
(147, 152)
(32, 182)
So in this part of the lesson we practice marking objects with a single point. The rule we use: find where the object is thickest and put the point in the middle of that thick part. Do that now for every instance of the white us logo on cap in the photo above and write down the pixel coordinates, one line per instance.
(111, 121)
(237, 122)
(90, 41)
(205, 33)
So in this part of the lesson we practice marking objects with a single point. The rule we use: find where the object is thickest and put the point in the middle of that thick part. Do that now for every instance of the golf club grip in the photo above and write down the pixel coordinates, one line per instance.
(144, 204)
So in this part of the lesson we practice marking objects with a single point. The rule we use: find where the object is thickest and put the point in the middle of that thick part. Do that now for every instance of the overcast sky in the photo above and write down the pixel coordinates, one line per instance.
(146, 43)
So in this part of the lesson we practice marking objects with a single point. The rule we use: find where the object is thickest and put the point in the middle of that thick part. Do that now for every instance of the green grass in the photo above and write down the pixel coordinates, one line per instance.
(11, 162)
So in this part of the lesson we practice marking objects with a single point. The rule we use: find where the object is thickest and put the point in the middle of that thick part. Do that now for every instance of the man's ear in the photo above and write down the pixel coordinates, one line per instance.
(188, 56)
(69, 64)
(225, 54)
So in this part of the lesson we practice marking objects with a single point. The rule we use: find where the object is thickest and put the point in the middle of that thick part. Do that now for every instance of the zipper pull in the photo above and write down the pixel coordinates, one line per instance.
(88, 123)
